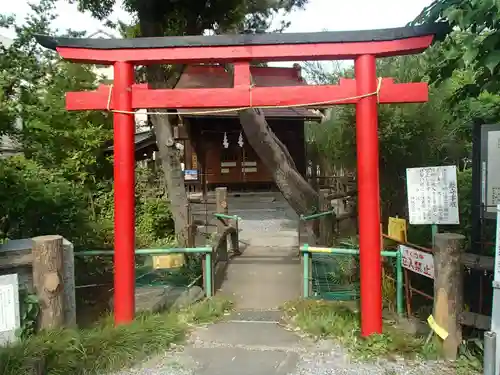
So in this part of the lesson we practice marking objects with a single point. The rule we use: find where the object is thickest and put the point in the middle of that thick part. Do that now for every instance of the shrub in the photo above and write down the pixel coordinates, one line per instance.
(36, 201)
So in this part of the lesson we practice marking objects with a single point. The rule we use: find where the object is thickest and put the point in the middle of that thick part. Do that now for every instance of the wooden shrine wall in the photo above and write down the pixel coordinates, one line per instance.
(224, 157)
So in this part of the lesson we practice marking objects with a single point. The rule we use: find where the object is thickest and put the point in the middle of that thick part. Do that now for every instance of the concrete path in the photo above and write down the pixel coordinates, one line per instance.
(259, 281)
(244, 348)
(268, 272)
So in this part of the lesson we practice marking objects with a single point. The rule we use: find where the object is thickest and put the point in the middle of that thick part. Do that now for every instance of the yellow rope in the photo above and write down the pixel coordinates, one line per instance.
(226, 110)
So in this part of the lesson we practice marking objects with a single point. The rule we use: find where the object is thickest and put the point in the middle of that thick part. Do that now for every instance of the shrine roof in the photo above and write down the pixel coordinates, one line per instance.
(269, 113)
(214, 76)
(378, 35)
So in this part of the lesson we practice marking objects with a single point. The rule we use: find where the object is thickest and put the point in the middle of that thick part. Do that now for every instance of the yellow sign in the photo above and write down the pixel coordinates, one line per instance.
(168, 261)
(440, 331)
(396, 229)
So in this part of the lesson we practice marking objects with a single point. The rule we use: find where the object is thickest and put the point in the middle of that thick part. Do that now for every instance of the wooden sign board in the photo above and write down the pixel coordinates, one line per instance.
(417, 261)
(432, 195)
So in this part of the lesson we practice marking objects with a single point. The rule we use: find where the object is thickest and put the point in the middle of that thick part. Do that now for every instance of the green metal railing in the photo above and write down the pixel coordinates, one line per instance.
(224, 216)
(307, 252)
(316, 216)
(206, 251)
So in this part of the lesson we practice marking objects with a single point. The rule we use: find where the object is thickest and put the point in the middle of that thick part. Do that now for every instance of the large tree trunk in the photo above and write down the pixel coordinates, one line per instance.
(170, 158)
(274, 154)
(299, 194)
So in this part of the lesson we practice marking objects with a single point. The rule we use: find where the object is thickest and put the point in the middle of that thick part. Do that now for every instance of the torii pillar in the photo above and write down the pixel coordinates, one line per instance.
(362, 46)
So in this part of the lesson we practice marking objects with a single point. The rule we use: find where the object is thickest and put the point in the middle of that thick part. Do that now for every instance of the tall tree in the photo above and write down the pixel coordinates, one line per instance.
(401, 130)
(33, 82)
(473, 42)
(163, 18)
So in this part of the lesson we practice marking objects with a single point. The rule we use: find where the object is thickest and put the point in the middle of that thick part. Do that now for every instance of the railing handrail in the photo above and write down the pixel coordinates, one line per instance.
(224, 216)
(170, 250)
(343, 251)
(307, 252)
(315, 216)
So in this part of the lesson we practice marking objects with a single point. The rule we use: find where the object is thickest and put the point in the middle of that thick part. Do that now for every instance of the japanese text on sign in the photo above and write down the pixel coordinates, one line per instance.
(417, 261)
(432, 195)
(7, 308)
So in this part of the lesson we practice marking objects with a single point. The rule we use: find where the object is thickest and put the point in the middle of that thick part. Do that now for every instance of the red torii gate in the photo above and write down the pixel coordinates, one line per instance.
(365, 91)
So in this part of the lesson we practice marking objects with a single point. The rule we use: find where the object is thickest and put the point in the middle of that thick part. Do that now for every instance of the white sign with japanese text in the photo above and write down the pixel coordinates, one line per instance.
(417, 261)
(496, 275)
(491, 197)
(432, 195)
(9, 308)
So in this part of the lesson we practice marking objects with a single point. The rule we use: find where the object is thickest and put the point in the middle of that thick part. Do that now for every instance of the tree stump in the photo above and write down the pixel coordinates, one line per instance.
(448, 289)
(48, 280)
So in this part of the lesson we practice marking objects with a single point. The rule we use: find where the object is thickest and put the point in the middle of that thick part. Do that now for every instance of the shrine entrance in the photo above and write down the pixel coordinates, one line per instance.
(230, 160)
(366, 91)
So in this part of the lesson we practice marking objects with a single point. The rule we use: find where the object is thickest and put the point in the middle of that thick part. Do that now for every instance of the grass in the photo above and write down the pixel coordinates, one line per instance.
(105, 348)
(337, 320)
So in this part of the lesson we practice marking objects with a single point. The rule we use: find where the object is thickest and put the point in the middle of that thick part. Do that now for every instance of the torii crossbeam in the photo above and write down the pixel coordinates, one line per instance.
(125, 96)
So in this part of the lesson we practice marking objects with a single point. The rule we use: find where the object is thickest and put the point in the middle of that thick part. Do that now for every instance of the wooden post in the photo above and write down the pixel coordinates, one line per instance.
(221, 205)
(221, 208)
(48, 280)
(313, 178)
(448, 289)
(192, 229)
(326, 230)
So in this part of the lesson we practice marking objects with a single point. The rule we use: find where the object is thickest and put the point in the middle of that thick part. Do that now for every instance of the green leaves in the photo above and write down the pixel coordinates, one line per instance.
(30, 308)
(469, 57)
(454, 14)
(492, 60)
(174, 17)
(473, 42)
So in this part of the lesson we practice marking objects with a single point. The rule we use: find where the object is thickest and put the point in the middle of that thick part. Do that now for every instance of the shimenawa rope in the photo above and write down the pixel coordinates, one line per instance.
(225, 110)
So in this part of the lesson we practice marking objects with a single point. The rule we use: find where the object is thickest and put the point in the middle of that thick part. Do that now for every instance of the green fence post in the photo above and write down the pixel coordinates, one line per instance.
(399, 284)
(305, 259)
(434, 231)
(208, 274)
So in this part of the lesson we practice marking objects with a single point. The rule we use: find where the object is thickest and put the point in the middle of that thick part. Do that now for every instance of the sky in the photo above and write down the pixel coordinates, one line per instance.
(319, 15)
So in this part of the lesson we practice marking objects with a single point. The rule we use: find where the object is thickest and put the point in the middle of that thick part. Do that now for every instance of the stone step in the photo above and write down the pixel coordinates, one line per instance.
(251, 315)
(253, 334)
